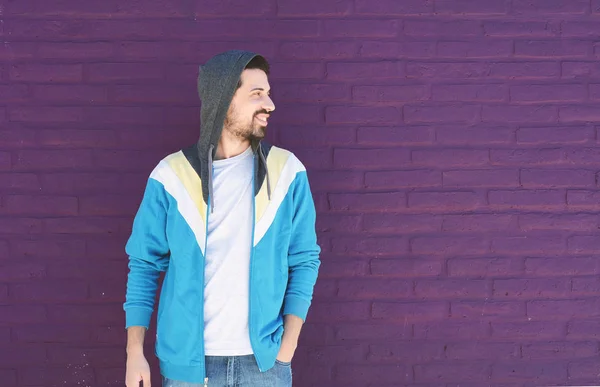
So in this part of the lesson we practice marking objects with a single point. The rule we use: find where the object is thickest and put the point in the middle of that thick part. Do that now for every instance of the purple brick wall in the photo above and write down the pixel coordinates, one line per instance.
(451, 146)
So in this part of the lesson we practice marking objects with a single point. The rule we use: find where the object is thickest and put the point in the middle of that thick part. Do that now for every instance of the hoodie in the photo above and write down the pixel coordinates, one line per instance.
(169, 234)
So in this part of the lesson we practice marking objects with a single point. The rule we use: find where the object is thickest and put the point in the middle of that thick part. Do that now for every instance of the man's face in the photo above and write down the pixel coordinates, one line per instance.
(250, 107)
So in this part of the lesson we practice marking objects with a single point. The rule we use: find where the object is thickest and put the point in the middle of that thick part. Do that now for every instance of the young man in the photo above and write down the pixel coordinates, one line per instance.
(231, 221)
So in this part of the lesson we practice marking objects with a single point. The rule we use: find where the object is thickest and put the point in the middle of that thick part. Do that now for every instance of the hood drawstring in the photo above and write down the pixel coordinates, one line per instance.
(264, 161)
(210, 178)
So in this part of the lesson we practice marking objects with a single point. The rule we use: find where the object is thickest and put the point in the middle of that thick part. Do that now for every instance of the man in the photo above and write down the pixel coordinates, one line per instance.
(231, 221)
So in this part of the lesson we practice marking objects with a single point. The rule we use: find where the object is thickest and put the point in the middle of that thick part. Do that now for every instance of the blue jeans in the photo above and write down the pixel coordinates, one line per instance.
(239, 371)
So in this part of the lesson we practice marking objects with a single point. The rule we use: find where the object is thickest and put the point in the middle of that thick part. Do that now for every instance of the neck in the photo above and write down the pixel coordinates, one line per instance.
(230, 146)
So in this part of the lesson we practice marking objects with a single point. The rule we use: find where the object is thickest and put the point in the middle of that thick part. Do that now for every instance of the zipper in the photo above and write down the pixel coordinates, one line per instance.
(205, 382)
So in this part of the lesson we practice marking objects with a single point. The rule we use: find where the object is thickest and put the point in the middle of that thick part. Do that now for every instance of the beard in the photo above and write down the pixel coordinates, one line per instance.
(242, 128)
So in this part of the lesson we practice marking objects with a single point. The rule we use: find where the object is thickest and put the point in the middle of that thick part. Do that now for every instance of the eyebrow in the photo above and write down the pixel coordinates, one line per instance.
(257, 88)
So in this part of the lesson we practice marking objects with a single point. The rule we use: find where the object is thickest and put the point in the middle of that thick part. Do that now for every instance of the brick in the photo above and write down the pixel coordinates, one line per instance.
(375, 70)
(526, 156)
(73, 374)
(372, 332)
(311, 8)
(297, 71)
(530, 28)
(8, 377)
(111, 334)
(17, 136)
(579, 28)
(45, 114)
(40, 205)
(13, 93)
(126, 73)
(372, 289)
(519, 370)
(585, 286)
(76, 94)
(322, 50)
(17, 271)
(469, 372)
(407, 351)
(339, 267)
(403, 179)
(335, 179)
(153, 94)
(451, 70)
(101, 268)
(478, 223)
(362, 115)
(555, 135)
(559, 350)
(451, 288)
(557, 48)
(449, 245)
(537, 114)
(532, 288)
(108, 290)
(339, 311)
(455, 330)
(582, 156)
(22, 314)
(22, 355)
(578, 114)
(446, 114)
(250, 28)
(99, 357)
(348, 223)
(62, 8)
(79, 183)
(390, 93)
(535, 330)
(390, 7)
(583, 198)
(485, 267)
(561, 267)
(380, 373)
(314, 158)
(396, 50)
(374, 246)
(538, 7)
(336, 353)
(583, 244)
(411, 312)
(478, 309)
(19, 182)
(86, 313)
(568, 308)
(369, 158)
(524, 70)
(584, 369)
(311, 92)
(48, 160)
(74, 138)
(17, 226)
(460, 93)
(580, 70)
(121, 160)
(443, 28)
(154, 8)
(443, 200)
(123, 115)
(50, 291)
(50, 334)
(529, 244)
(317, 136)
(406, 268)
(81, 225)
(454, 135)
(584, 329)
(482, 350)
(450, 157)
(536, 178)
(481, 178)
(83, 51)
(475, 49)
(46, 73)
(4, 252)
(395, 135)
(360, 28)
(575, 222)
(548, 93)
(470, 7)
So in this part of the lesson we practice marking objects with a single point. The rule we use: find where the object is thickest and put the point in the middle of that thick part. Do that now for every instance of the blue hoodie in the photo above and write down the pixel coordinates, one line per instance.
(170, 234)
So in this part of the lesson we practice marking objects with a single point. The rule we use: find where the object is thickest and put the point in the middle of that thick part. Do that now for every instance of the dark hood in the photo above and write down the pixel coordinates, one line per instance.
(217, 82)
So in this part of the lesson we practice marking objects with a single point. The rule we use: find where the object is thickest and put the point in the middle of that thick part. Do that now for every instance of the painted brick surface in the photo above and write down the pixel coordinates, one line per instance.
(451, 147)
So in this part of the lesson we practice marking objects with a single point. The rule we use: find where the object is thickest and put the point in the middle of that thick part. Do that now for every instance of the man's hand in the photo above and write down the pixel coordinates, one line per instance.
(138, 370)
(286, 353)
(291, 331)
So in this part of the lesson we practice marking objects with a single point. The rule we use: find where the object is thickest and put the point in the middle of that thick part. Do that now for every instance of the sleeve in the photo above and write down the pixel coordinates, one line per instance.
(148, 252)
(303, 252)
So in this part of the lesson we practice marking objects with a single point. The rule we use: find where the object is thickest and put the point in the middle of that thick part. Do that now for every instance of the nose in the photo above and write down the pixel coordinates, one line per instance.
(268, 104)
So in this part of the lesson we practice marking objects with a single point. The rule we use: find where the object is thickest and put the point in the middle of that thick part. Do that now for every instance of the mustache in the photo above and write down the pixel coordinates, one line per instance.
(263, 111)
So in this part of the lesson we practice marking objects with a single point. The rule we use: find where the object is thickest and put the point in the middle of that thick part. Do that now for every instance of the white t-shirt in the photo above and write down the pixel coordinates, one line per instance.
(227, 270)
